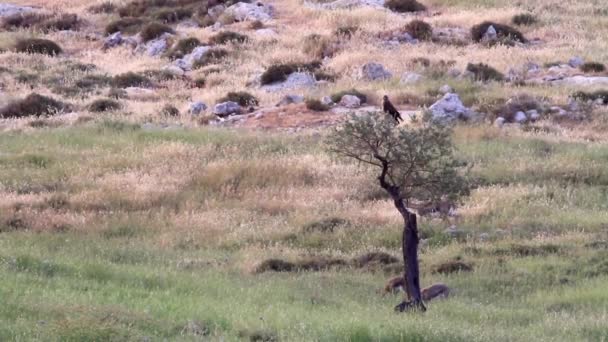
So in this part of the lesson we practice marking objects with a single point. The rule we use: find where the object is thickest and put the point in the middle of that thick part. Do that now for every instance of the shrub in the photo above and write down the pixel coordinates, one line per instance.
(403, 6)
(316, 105)
(93, 81)
(104, 7)
(452, 267)
(519, 103)
(36, 45)
(502, 31)
(419, 30)
(131, 79)
(421, 61)
(23, 20)
(33, 105)
(125, 25)
(321, 75)
(256, 25)
(104, 105)
(318, 46)
(374, 258)
(591, 96)
(524, 19)
(244, 99)
(199, 82)
(338, 96)
(213, 56)
(280, 72)
(183, 47)
(327, 225)
(169, 110)
(346, 31)
(483, 72)
(61, 23)
(172, 15)
(154, 30)
(117, 93)
(593, 67)
(206, 21)
(226, 37)
(159, 75)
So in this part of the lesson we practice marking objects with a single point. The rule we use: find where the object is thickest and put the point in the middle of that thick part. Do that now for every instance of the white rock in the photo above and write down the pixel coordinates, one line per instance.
(188, 60)
(583, 81)
(350, 101)
(113, 40)
(216, 11)
(490, 34)
(197, 108)
(374, 71)
(155, 47)
(226, 108)
(6, 10)
(174, 70)
(533, 114)
(520, 117)
(499, 122)
(410, 78)
(444, 89)
(450, 108)
(576, 62)
(266, 32)
(326, 100)
(245, 11)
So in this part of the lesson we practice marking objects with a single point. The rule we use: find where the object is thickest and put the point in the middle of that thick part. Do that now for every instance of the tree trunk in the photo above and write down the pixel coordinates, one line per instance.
(409, 243)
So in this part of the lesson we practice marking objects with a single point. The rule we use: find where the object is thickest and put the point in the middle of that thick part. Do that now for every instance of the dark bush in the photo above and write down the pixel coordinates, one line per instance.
(36, 45)
(321, 75)
(244, 99)
(526, 251)
(33, 105)
(327, 225)
(183, 47)
(93, 81)
(24, 20)
(483, 72)
(421, 61)
(591, 96)
(159, 75)
(226, 37)
(169, 110)
(524, 19)
(140, 8)
(172, 15)
(346, 31)
(280, 72)
(503, 32)
(338, 96)
(316, 105)
(275, 265)
(374, 258)
(206, 21)
(256, 25)
(199, 82)
(452, 267)
(125, 25)
(131, 79)
(104, 7)
(213, 56)
(419, 30)
(403, 6)
(154, 30)
(61, 23)
(593, 67)
(104, 105)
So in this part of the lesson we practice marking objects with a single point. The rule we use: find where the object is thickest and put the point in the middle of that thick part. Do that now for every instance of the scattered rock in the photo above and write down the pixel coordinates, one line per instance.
(216, 11)
(7, 10)
(450, 108)
(533, 115)
(174, 70)
(197, 108)
(499, 122)
(141, 94)
(113, 40)
(520, 117)
(411, 78)
(576, 62)
(294, 80)
(155, 47)
(374, 71)
(188, 61)
(490, 35)
(290, 99)
(326, 100)
(345, 4)
(350, 101)
(242, 11)
(444, 89)
(226, 108)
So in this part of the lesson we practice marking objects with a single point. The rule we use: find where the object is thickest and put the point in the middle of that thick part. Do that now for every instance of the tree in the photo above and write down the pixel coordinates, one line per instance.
(414, 164)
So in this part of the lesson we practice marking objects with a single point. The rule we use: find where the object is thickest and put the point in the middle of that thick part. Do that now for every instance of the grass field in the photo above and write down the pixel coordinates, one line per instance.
(112, 232)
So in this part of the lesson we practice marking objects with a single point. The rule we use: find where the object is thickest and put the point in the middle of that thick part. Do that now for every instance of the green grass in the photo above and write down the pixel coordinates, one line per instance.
(137, 263)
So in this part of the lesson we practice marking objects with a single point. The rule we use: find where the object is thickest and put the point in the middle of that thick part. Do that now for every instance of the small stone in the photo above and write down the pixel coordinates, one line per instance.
(444, 89)
(520, 117)
(113, 40)
(226, 108)
(499, 122)
(350, 101)
(533, 114)
(174, 70)
(197, 108)
(576, 62)
(490, 34)
(326, 100)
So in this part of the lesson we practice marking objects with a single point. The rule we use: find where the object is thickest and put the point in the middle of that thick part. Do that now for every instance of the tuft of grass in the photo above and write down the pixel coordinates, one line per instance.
(419, 30)
(38, 46)
(504, 32)
(336, 97)
(483, 72)
(213, 56)
(32, 105)
(117, 93)
(226, 37)
(404, 6)
(318, 46)
(256, 25)
(199, 82)
(183, 47)
(125, 25)
(172, 15)
(453, 266)
(169, 110)
(593, 67)
(327, 225)
(131, 79)
(154, 30)
(524, 19)
(280, 72)
(346, 31)
(106, 7)
(316, 105)
(244, 99)
(42, 22)
(104, 105)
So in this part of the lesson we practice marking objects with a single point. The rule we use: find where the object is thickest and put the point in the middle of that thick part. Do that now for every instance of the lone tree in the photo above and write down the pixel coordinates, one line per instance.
(414, 164)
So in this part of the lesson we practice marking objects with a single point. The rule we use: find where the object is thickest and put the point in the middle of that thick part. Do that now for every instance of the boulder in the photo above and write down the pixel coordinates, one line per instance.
(226, 108)
(374, 71)
(242, 11)
(155, 47)
(174, 70)
(350, 101)
(450, 108)
(6, 10)
(576, 62)
(113, 40)
(188, 60)
(290, 99)
(293, 81)
(410, 78)
(197, 108)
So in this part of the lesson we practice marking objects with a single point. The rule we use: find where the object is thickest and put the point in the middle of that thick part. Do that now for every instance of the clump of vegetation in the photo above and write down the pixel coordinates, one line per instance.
(104, 7)
(591, 96)
(327, 225)
(419, 29)
(526, 250)
(338, 96)
(148, 8)
(104, 105)
(38, 46)
(374, 259)
(452, 266)
(403, 6)
(117, 93)
(316, 105)
(154, 30)
(159, 75)
(172, 15)
(524, 19)
(131, 79)
(42, 22)
(346, 31)
(23, 20)
(63, 22)
(169, 110)
(125, 25)
(226, 37)
(244, 99)
(199, 82)
(183, 47)
(309, 264)
(93, 81)
(421, 61)
(213, 56)
(503, 32)
(483, 72)
(280, 72)
(33, 105)
(256, 25)
(593, 67)
(519, 103)
(318, 46)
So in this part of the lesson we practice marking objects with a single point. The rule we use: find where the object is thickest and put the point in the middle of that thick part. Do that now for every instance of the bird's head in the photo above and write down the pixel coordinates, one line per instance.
(385, 98)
